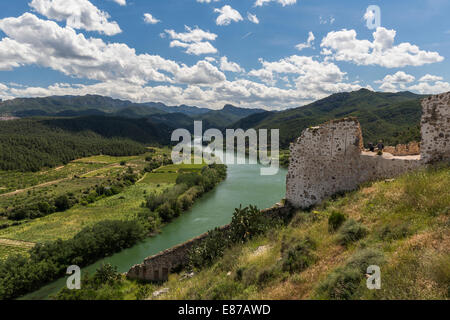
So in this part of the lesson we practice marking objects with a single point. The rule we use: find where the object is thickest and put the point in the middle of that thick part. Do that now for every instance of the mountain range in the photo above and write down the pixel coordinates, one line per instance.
(392, 117)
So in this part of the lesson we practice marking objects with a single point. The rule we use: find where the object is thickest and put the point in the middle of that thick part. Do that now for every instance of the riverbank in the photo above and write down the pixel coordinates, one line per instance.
(146, 221)
(401, 226)
(244, 185)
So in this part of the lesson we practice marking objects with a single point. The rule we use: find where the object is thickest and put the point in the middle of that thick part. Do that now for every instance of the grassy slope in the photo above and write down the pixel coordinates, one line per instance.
(408, 222)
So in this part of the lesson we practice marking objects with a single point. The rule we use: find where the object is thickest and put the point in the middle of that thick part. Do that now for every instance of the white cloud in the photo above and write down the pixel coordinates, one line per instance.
(227, 15)
(431, 88)
(201, 73)
(148, 18)
(309, 43)
(430, 78)
(313, 79)
(260, 3)
(78, 14)
(344, 46)
(226, 65)
(395, 82)
(252, 18)
(34, 41)
(401, 81)
(193, 40)
(192, 35)
(121, 2)
(195, 48)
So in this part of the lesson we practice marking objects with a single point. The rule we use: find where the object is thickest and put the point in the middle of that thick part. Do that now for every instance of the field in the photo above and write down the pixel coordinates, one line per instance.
(90, 172)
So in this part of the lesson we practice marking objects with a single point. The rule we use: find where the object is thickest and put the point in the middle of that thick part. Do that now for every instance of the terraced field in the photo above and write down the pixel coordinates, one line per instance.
(64, 225)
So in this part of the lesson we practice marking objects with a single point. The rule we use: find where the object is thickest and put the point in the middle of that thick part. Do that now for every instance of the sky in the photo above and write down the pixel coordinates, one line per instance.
(271, 54)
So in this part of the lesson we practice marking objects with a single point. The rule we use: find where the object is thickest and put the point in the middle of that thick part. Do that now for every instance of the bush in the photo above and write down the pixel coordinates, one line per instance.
(246, 224)
(20, 275)
(351, 231)
(342, 283)
(335, 221)
(298, 257)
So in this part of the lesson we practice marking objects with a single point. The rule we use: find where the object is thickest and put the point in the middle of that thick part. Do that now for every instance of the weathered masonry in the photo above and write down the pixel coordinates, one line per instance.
(329, 159)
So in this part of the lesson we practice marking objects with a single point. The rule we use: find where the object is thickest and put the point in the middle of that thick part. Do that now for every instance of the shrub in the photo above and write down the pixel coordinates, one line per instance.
(342, 283)
(335, 221)
(298, 257)
(351, 231)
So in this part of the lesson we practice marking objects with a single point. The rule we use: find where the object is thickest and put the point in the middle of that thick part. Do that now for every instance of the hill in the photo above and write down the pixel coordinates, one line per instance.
(30, 144)
(401, 226)
(94, 105)
(391, 117)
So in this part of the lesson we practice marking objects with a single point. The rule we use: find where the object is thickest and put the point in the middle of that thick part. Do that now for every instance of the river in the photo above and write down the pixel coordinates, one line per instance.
(244, 186)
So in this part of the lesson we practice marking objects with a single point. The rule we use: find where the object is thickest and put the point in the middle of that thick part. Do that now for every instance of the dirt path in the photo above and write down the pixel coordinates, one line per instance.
(142, 178)
(17, 243)
(33, 187)
(46, 184)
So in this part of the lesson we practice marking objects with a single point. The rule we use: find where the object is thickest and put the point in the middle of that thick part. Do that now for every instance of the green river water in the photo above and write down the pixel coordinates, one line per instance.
(244, 186)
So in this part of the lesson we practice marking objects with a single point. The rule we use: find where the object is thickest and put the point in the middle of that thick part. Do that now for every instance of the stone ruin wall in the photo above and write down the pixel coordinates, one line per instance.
(410, 149)
(435, 144)
(329, 159)
(159, 266)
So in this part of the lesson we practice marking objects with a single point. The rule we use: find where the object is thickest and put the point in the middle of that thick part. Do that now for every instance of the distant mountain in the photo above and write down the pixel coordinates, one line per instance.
(93, 105)
(227, 116)
(392, 117)
(187, 110)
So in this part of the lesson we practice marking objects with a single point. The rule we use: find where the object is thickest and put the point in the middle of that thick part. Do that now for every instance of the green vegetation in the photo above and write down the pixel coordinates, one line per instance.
(115, 201)
(391, 117)
(406, 233)
(30, 145)
(20, 274)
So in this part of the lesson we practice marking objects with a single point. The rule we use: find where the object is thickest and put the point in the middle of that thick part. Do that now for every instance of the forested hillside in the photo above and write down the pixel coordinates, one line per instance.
(31, 144)
(391, 117)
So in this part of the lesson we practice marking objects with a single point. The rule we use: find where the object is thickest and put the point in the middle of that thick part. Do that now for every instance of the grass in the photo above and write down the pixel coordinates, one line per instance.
(6, 251)
(123, 206)
(407, 234)
(66, 224)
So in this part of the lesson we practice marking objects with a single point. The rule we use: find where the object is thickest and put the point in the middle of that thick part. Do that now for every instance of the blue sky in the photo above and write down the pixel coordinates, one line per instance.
(251, 53)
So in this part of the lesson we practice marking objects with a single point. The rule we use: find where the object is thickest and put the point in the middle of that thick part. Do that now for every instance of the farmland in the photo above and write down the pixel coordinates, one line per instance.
(77, 178)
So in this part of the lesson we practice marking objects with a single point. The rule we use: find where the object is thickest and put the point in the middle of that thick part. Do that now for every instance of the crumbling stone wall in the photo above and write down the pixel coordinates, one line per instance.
(329, 159)
(410, 149)
(435, 144)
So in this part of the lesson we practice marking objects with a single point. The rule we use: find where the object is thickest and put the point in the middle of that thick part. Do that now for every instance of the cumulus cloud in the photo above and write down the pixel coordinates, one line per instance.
(195, 41)
(395, 82)
(121, 2)
(430, 78)
(226, 65)
(227, 15)
(78, 14)
(148, 18)
(312, 78)
(201, 73)
(401, 81)
(34, 41)
(344, 46)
